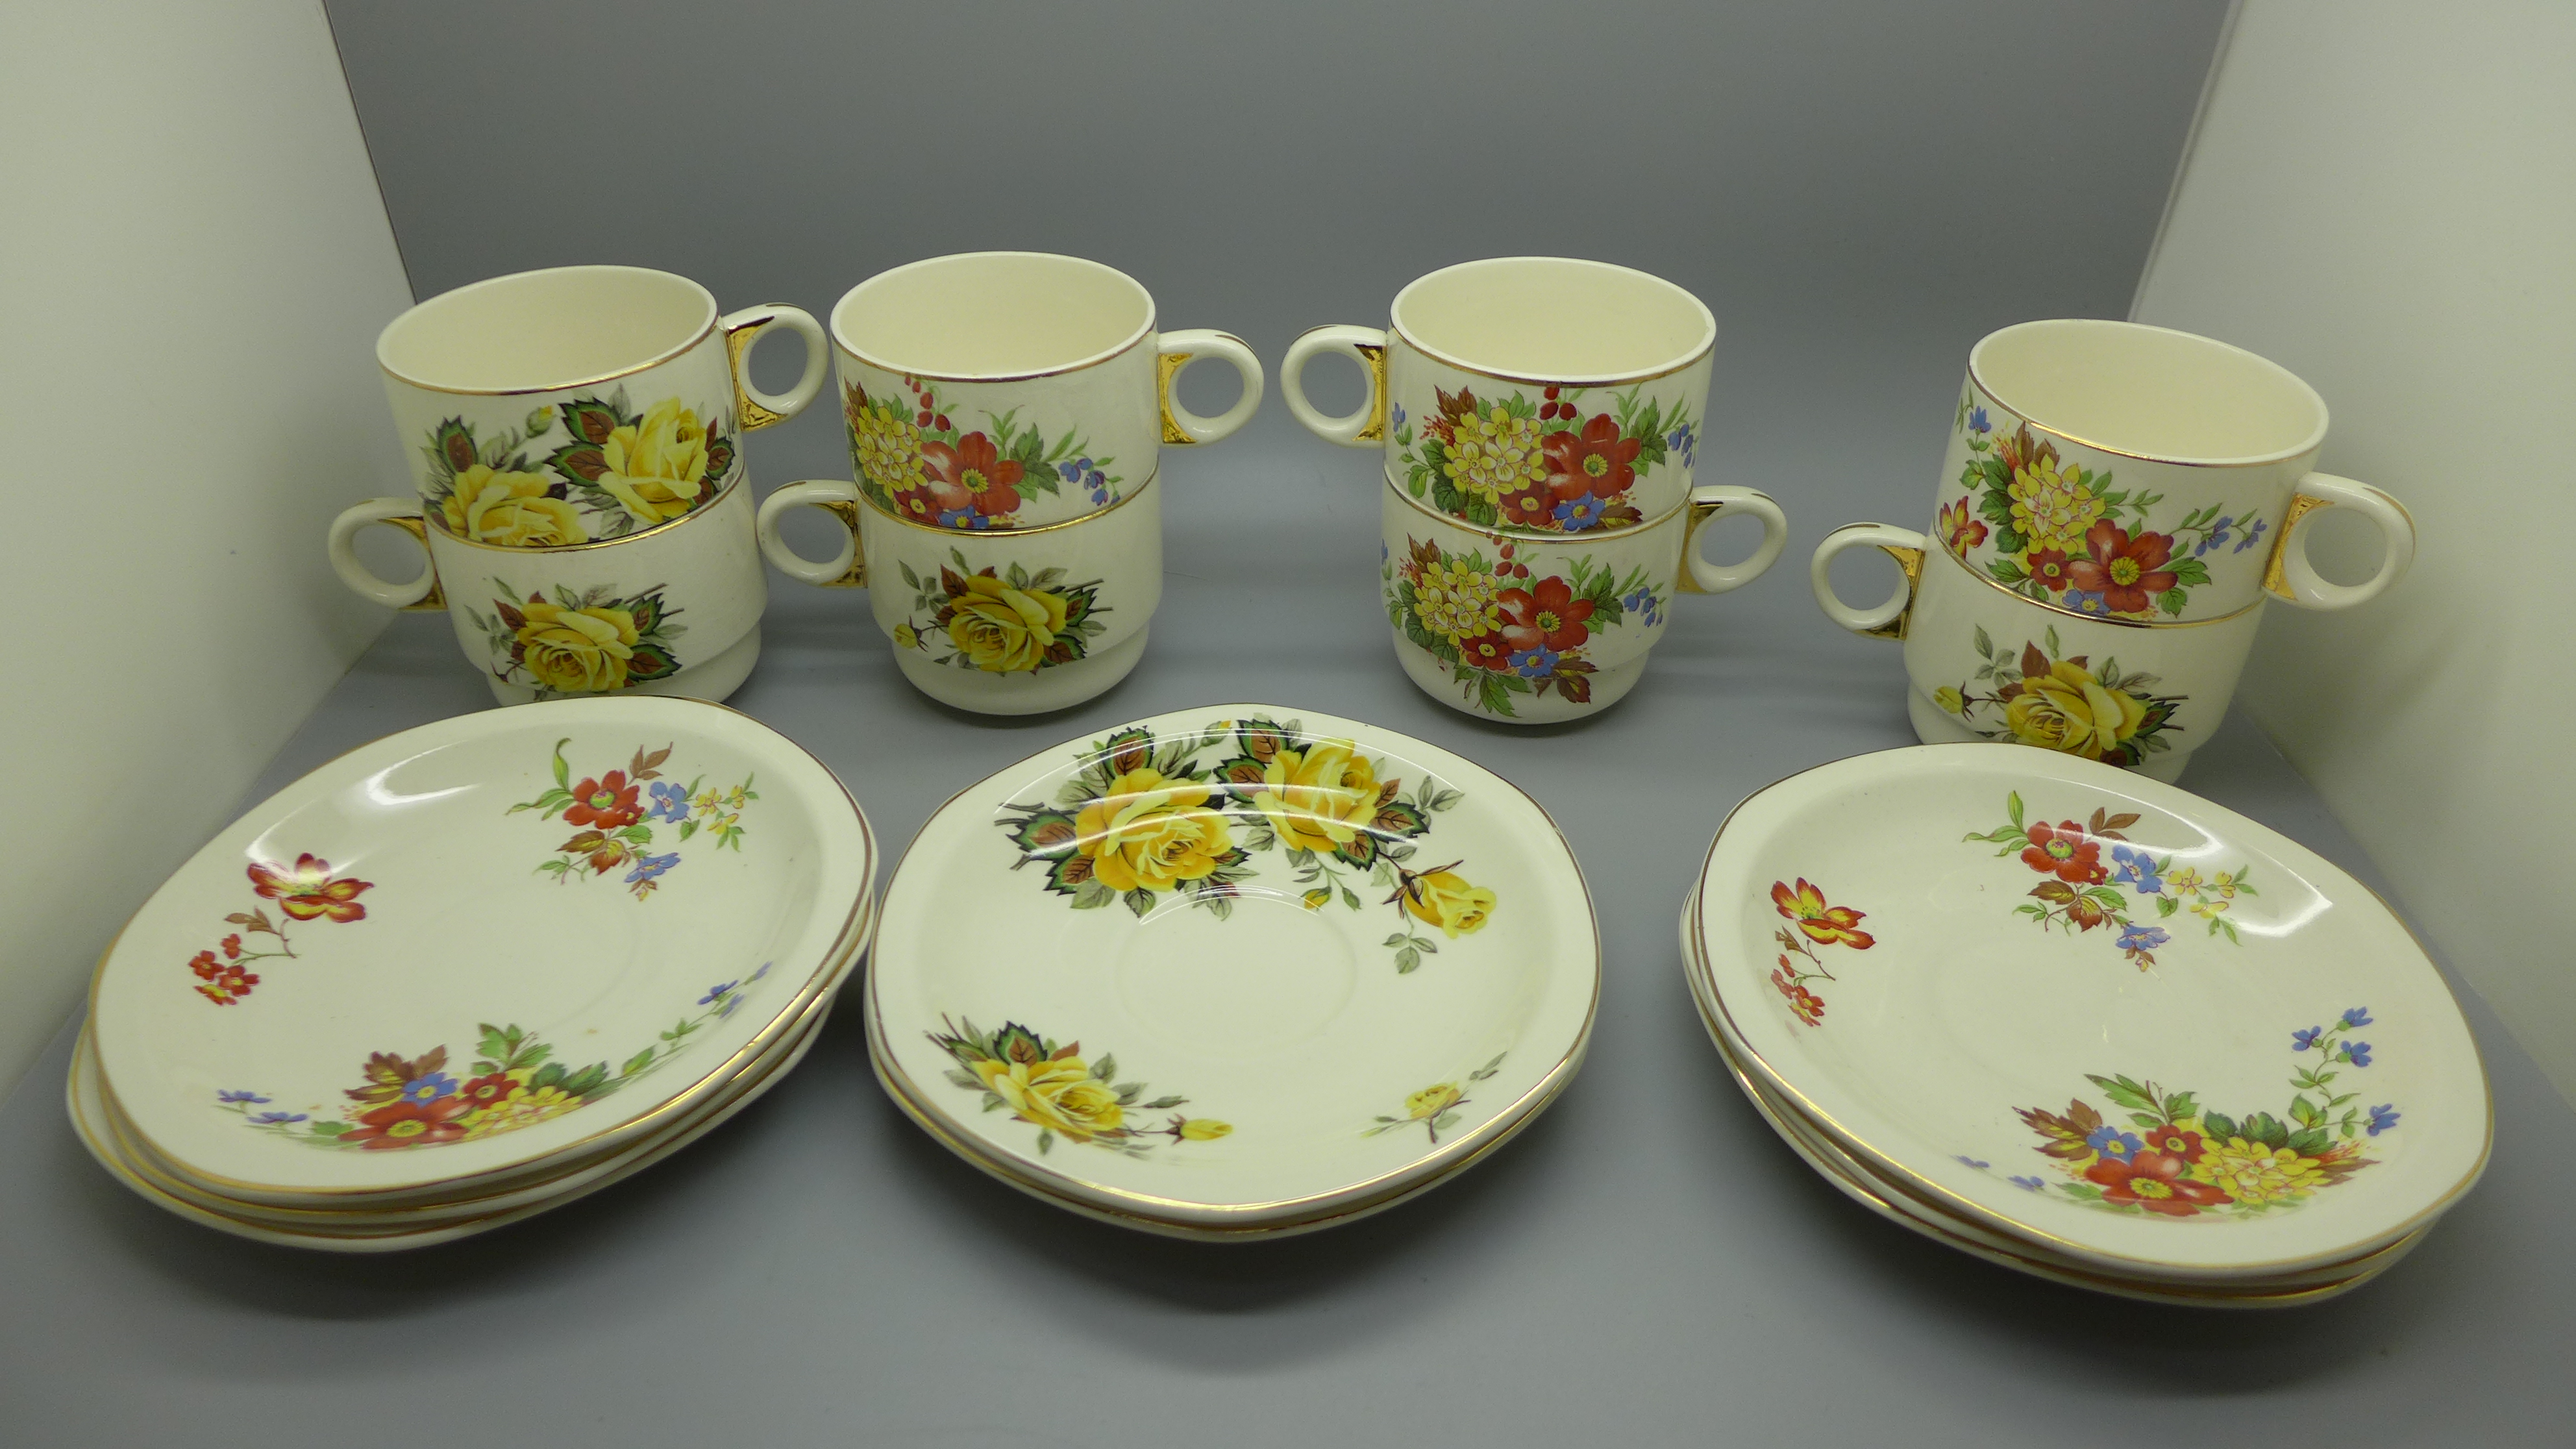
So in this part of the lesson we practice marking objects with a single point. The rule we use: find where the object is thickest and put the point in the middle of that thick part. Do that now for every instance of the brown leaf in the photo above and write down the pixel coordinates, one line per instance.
(587, 840)
(1052, 834)
(2056, 892)
(951, 582)
(1387, 791)
(2034, 665)
(2121, 821)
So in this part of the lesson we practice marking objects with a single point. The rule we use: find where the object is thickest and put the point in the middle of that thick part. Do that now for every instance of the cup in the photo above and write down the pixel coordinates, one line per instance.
(1006, 621)
(1540, 630)
(674, 610)
(575, 404)
(1537, 394)
(2117, 502)
(998, 390)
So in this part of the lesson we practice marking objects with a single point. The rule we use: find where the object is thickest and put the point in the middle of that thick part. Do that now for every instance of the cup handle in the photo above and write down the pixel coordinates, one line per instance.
(1366, 346)
(741, 329)
(1179, 350)
(2291, 576)
(1888, 620)
(421, 594)
(1707, 501)
(846, 569)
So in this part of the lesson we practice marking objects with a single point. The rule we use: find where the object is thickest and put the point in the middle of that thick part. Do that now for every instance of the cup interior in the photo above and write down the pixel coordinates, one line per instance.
(1554, 319)
(990, 316)
(2150, 392)
(540, 331)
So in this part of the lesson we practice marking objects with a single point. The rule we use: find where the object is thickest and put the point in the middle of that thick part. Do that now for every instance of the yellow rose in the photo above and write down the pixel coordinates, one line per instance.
(1059, 1095)
(1447, 901)
(2068, 709)
(1005, 630)
(1204, 1129)
(1432, 1101)
(510, 509)
(1949, 700)
(1320, 797)
(1151, 834)
(657, 468)
(906, 637)
(577, 650)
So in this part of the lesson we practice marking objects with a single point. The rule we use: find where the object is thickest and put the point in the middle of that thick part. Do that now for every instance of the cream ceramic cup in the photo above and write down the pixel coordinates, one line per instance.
(673, 611)
(1007, 622)
(565, 406)
(1543, 630)
(996, 390)
(1536, 394)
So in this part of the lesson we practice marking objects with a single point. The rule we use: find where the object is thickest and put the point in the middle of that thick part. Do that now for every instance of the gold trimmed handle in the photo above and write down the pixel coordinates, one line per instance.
(1364, 428)
(1178, 350)
(1707, 501)
(759, 409)
(2289, 574)
(1888, 620)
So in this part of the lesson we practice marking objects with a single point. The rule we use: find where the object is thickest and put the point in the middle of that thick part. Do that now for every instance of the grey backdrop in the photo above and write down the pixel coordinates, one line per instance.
(1859, 191)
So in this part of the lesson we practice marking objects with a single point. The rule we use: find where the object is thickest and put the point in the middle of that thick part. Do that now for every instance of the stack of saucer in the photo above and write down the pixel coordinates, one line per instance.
(473, 971)
(1233, 972)
(2085, 1025)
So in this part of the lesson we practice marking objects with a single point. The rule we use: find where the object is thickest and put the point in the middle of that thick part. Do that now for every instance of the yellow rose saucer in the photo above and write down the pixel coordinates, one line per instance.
(1233, 969)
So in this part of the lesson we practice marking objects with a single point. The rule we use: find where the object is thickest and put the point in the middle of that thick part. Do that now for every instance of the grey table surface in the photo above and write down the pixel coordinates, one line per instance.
(1647, 1260)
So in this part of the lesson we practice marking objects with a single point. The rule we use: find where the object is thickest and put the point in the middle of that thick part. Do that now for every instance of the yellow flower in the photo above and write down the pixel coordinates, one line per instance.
(1059, 1095)
(1495, 453)
(906, 637)
(1149, 833)
(1432, 1101)
(1005, 630)
(2184, 881)
(2068, 709)
(510, 509)
(884, 444)
(2253, 1173)
(2224, 883)
(1456, 602)
(577, 650)
(1204, 1129)
(1949, 700)
(1447, 901)
(1320, 797)
(2050, 508)
(657, 468)
(524, 1108)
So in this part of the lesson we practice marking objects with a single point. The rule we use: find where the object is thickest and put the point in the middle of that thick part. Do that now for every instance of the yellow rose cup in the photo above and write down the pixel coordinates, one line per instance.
(575, 437)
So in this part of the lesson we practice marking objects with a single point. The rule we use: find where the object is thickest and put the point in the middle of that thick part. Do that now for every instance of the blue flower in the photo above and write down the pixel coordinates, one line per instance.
(731, 1005)
(1971, 1162)
(966, 518)
(1098, 483)
(2084, 603)
(1977, 423)
(2305, 1037)
(717, 992)
(756, 975)
(2136, 869)
(2357, 1053)
(647, 867)
(420, 1091)
(2032, 1183)
(670, 802)
(2252, 536)
(2383, 1117)
(281, 1119)
(2135, 937)
(1683, 440)
(1579, 513)
(2358, 1016)
(1642, 603)
(2110, 1141)
(2217, 536)
(229, 1098)
(1396, 411)
(1069, 472)
(1535, 662)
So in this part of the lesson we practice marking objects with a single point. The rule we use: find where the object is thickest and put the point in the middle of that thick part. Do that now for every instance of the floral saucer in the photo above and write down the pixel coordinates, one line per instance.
(2089, 1011)
(474, 949)
(1232, 968)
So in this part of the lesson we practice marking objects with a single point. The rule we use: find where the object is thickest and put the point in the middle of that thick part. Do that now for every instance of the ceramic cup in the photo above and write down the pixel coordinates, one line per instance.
(1536, 394)
(565, 406)
(1010, 621)
(1015, 389)
(672, 611)
(1542, 630)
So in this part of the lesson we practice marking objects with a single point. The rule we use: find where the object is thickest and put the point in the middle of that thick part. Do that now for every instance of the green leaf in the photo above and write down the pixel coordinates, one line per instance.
(2172, 601)
(2167, 905)
(1406, 960)
(2219, 1125)
(2181, 1107)
(2305, 1112)
(563, 772)
(1105, 1069)
(637, 1062)
(2012, 807)
(2125, 1092)
(2310, 1142)
(1350, 898)
(1164, 1104)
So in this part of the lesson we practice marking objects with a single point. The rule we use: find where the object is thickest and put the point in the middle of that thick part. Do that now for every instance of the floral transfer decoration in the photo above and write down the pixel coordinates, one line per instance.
(304, 891)
(615, 815)
(2064, 535)
(1812, 923)
(1053, 1089)
(587, 643)
(1543, 465)
(1013, 622)
(2178, 1159)
(1499, 630)
(2083, 890)
(1434, 1109)
(914, 461)
(2065, 704)
(615, 472)
(514, 1082)
(1185, 818)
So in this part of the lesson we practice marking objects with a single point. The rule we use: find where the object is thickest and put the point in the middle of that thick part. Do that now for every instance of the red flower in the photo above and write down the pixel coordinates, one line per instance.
(2064, 852)
(1531, 507)
(972, 474)
(1826, 925)
(1960, 528)
(1809, 1006)
(1486, 651)
(1595, 461)
(2050, 567)
(409, 1124)
(1548, 614)
(227, 985)
(484, 1091)
(918, 504)
(2126, 571)
(309, 889)
(2154, 1181)
(2172, 1141)
(607, 803)
(232, 948)
(205, 965)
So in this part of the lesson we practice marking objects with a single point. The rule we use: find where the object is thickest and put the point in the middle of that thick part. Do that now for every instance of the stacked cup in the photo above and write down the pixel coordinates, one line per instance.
(577, 443)
(1006, 414)
(1539, 417)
